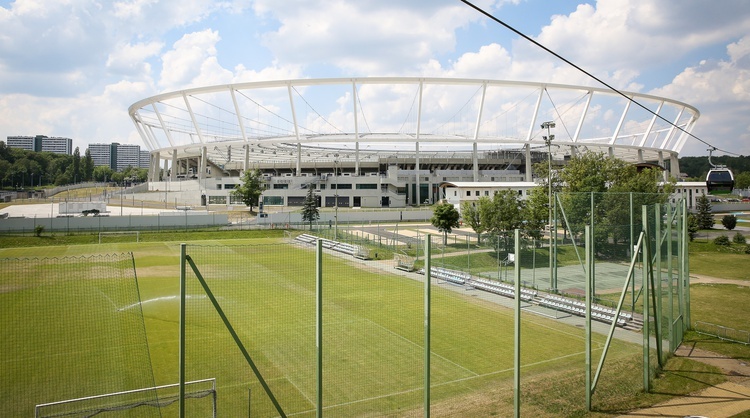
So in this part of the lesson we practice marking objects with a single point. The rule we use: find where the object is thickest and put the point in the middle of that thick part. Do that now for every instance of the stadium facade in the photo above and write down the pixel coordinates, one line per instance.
(392, 142)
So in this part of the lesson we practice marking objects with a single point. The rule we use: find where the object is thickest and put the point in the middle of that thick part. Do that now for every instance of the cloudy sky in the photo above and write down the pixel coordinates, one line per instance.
(72, 67)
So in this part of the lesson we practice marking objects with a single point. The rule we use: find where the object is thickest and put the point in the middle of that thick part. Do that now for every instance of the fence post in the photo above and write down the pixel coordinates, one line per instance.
(427, 319)
(319, 324)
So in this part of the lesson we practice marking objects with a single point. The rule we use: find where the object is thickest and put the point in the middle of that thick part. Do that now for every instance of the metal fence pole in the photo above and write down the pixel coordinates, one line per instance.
(319, 324)
(427, 319)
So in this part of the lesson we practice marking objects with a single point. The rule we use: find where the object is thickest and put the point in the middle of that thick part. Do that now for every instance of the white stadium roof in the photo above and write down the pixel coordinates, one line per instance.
(367, 119)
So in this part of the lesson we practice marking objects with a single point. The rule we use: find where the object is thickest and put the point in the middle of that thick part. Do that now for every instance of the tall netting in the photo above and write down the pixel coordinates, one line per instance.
(73, 329)
(372, 355)
(553, 271)
(267, 293)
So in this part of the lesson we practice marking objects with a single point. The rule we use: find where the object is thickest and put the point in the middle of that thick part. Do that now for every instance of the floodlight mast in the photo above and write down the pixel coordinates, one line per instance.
(548, 140)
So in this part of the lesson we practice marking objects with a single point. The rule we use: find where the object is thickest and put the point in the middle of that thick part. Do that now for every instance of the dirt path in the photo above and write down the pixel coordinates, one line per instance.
(722, 401)
(700, 278)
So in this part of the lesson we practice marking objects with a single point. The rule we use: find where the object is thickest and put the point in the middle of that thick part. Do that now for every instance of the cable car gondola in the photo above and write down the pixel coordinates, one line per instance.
(719, 179)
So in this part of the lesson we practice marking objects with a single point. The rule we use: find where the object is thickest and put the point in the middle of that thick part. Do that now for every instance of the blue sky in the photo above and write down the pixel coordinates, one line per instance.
(71, 68)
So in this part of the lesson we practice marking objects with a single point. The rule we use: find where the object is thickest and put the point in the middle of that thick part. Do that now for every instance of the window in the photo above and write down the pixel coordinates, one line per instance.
(217, 200)
(229, 186)
(273, 200)
(218, 187)
(280, 186)
(342, 186)
(468, 193)
(235, 200)
(367, 186)
(455, 193)
(486, 192)
(476, 193)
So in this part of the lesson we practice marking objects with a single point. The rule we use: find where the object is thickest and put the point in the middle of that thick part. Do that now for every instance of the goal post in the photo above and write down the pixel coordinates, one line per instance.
(113, 233)
(148, 401)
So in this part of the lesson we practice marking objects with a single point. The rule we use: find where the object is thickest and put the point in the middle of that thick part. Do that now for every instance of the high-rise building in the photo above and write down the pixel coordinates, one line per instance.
(41, 143)
(145, 159)
(104, 154)
(128, 156)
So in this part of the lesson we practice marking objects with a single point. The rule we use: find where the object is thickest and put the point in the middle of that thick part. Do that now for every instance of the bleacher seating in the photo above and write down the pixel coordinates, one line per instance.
(462, 278)
(577, 307)
(342, 247)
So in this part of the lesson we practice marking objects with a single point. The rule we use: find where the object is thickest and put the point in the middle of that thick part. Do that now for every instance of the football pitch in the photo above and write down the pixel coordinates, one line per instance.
(71, 336)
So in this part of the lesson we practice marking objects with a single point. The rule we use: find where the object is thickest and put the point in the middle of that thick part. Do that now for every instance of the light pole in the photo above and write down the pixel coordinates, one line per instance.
(548, 140)
(336, 198)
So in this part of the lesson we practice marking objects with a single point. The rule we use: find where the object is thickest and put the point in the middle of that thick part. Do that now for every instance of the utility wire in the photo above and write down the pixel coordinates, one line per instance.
(519, 33)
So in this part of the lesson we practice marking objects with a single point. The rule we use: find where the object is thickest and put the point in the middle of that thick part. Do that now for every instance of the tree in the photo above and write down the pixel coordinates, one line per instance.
(470, 215)
(692, 226)
(77, 165)
(729, 222)
(102, 173)
(250, 189)
(88, 166)
(704, 217)
(536, 213)
(502, 214)
(310, 212)
(742, 180)
(445, 218)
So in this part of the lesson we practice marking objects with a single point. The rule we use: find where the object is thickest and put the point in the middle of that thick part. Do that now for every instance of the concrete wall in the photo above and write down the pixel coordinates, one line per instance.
(181, 220)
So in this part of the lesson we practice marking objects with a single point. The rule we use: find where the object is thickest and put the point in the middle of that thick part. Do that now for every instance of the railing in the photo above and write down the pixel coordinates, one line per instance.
(722, 332)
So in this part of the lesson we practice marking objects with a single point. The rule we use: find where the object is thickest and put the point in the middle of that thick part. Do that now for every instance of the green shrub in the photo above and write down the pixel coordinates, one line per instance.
(739, 239)
(38, 230)
(722, 240)
(729, 222)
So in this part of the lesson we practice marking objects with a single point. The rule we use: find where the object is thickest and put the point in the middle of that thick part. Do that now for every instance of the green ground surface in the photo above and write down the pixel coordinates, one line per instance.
(373, 338)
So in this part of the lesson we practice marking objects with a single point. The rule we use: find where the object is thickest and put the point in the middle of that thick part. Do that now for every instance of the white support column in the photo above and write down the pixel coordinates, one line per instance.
(192, 117)
(240, 123)
(298, 169)
(166, 169)
(530, 133)
(664, 173)
(684, 137)
(528, 162)
(475, 156)
(619, 124)
(164, 127)
(674, 165)
(355, 98)
(583, 116)
(672, 129)
(246, 162)
(651, 125)
(173, 173)
(419, 128)
(202, 168)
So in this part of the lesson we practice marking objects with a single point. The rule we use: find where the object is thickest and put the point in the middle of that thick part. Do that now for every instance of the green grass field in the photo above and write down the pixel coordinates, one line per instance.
(373, 355)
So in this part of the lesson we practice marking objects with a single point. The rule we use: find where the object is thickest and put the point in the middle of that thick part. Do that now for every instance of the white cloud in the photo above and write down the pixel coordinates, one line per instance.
(130, 59)
(721, 91)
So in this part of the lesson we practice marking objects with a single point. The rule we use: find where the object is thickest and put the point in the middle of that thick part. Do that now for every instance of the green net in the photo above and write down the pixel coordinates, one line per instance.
(72, 328)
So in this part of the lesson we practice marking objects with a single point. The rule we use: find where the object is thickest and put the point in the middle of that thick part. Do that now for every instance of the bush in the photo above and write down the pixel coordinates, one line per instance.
(729, 222)
(722, 240)
(747, 249)
(38, 230)
(739, 239)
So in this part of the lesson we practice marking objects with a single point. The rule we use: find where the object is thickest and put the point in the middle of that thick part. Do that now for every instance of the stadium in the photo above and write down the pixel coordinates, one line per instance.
(393, 141)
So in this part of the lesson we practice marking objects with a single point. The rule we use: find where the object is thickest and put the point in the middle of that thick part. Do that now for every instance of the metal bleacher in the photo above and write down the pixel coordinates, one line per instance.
(462, 278)
(356, 251)
(577, 307)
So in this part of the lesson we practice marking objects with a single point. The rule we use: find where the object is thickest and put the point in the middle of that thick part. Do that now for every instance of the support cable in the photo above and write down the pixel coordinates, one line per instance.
(560, 57)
